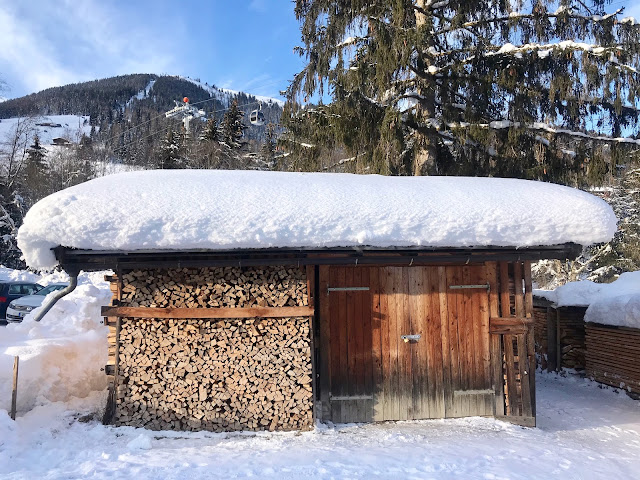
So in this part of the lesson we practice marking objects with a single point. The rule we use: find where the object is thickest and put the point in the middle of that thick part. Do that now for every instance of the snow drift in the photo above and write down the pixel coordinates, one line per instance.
(61, 356)
(209, 209)
(616, 303)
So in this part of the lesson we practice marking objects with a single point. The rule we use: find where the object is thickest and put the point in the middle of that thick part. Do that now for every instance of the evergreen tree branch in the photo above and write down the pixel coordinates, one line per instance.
(539, 126)
(515, 16)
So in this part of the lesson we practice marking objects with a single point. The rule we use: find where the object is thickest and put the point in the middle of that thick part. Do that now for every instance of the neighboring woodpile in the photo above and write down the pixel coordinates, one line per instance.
(540, 330)
(572, 341)
(214, 374)
(613, 356)
(563, 346)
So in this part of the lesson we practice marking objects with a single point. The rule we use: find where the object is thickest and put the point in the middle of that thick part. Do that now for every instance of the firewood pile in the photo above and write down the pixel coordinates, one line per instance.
(215, 287)
(214, 374)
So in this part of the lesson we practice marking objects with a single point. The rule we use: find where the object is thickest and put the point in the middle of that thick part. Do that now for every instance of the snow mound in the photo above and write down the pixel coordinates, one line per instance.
(61, 356)
(616, 303)
(218, 210)
(11, 275)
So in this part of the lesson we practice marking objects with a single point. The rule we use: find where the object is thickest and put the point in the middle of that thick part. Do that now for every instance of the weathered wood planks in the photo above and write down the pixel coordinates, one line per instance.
(613, 356)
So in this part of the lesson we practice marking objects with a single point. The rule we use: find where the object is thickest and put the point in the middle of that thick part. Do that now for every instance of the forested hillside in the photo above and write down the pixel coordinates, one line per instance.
(117, 124)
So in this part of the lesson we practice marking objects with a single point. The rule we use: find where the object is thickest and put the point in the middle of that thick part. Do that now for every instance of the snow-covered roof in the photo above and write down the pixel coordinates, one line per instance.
(616, 303)
(219, 210)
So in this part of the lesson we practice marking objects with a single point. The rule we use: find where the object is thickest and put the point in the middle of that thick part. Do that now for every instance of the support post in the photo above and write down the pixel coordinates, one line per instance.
(14, 391)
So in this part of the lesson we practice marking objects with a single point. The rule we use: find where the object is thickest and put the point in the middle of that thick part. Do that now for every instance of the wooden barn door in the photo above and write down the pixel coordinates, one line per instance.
(467, 363)
(345, 292)
(397, 343)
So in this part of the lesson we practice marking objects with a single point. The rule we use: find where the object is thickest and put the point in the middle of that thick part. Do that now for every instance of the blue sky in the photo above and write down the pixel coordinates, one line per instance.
(240, 44)
(244, 45)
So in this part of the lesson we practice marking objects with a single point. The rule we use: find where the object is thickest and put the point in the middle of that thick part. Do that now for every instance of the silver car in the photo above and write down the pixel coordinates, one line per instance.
(23, 305)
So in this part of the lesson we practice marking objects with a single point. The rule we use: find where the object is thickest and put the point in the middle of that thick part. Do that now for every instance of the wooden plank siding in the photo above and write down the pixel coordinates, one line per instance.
(612, 356)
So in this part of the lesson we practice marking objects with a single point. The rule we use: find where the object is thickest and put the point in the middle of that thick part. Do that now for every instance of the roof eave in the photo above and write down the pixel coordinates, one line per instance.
(74, 260)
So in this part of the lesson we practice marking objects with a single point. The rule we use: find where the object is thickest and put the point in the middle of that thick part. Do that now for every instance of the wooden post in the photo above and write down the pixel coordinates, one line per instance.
(14, 392)
(558, 342)
(552, 361)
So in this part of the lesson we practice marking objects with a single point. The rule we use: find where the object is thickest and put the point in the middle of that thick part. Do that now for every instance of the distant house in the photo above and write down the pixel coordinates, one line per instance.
(264, 300)
(61, 142)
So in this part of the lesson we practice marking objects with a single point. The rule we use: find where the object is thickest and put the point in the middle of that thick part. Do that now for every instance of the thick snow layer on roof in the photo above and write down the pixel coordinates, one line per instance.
(209, 209)
(616, 303)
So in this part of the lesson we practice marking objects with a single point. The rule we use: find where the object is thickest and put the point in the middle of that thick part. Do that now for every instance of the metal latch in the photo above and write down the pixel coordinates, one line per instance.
(347, 289)
(411, 338)
(485, 286)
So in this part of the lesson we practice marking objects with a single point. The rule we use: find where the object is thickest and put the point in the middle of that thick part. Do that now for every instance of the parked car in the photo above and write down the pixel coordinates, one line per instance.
(18, 308)
(10, 291)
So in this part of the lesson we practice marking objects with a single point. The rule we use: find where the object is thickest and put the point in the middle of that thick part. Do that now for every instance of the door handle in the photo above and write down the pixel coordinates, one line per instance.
(410, 338)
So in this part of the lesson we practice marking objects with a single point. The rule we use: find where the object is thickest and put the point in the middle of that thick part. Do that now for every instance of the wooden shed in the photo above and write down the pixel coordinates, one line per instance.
(340, 298)
(361, 335)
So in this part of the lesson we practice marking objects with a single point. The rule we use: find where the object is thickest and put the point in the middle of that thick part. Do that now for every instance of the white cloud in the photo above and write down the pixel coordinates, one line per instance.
(47, 44)
(258, 5)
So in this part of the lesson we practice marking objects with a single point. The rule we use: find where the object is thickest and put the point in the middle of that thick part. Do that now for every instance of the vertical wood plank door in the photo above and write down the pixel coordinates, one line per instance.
(470, 390)
(442, 370)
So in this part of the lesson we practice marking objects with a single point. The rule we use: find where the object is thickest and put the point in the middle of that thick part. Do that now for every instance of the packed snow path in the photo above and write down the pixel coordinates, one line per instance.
(585, 432)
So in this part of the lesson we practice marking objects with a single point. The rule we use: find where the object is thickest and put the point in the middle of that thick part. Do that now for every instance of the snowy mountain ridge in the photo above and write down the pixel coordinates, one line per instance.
(225, 95)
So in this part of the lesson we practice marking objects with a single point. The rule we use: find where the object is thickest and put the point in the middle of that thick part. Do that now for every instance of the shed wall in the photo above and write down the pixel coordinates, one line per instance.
(613, 356)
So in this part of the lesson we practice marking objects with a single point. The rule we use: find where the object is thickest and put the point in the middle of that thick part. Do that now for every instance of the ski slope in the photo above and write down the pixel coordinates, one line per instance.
(71, 127)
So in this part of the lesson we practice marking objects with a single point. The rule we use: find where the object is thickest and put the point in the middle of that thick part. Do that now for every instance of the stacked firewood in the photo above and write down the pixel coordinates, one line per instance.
(572, 337)
(215, 287)
(217, 375)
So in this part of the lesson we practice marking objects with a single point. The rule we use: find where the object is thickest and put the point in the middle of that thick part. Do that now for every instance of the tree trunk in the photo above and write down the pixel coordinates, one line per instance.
(425, 155)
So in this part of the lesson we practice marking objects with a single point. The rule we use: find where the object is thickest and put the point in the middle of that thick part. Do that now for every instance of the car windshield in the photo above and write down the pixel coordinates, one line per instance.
(49, 289)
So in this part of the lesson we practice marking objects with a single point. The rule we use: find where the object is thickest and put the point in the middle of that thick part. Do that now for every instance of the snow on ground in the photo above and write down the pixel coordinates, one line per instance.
(584, 432)
(71, 127)
(216, 209)
(616, 303)
(61, 356)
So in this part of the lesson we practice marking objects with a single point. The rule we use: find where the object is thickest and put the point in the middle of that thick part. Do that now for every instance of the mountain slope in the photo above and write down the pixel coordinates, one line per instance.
(130, 98)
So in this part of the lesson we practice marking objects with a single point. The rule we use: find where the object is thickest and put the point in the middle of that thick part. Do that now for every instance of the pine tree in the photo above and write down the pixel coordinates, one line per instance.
(268, 149)
(536, 90)
(232, 128)
(210, 132)
(36, 172)
(170, 155)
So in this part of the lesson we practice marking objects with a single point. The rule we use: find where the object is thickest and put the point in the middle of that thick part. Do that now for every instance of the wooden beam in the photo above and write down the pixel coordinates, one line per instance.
(250, 312)
(521, 420)
(507, 329)
(511, 321)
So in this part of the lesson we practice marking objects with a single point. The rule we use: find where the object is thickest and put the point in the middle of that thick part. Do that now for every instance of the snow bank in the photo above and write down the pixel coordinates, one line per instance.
(9, 274)
(209, 209)
(61, 356)
(616, 303)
